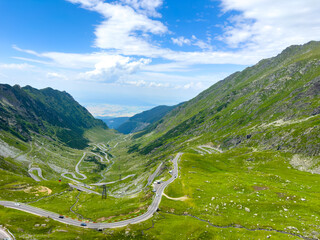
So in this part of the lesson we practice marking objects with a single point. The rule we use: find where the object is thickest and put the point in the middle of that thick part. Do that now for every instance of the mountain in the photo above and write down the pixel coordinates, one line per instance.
(274, 104)
(114, 123)
(238, 161)
(141, 120)
(46, 112)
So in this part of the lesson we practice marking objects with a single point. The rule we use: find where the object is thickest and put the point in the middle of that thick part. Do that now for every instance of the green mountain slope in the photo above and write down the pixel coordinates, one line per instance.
(47, 112)
(114, 123)
(272, 105)
(141, 120)
(265, 119)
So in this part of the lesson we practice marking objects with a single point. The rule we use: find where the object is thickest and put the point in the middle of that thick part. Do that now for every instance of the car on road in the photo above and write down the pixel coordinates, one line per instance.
(153, 190)
(83, 224)
(61, 216)
(17, 204)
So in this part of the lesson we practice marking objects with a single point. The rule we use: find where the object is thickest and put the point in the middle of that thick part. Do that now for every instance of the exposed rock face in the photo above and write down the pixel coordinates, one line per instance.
(305, 164)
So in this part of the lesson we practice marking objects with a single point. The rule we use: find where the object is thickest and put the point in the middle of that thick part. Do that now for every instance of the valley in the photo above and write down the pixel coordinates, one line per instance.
(238, 161)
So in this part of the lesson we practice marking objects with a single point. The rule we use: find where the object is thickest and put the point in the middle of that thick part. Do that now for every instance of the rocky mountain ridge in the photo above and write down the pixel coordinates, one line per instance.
(47, 112)
(245, 109)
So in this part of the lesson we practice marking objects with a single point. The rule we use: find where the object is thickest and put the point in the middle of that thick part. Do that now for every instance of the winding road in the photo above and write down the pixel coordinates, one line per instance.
(151, 209)
(83, 189)
(36, 178)
(106, 183)
(102, 174)
(77, 171)
(153, 175)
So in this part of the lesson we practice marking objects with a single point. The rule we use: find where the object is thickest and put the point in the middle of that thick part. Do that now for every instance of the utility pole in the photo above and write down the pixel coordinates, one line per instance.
(104, 192)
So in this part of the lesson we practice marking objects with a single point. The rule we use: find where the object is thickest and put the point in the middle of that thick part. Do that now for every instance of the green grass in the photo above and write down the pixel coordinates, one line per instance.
(93, 207)
(18, 188)
(125, 163)
(14, 142)
(170, 226)
(262, 181)
(44, 152)
(221, 186)
(250, 185)
(24, 226)
(100, 135)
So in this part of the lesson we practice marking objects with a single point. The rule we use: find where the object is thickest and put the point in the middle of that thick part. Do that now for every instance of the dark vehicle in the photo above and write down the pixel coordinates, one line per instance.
(83, 224)
(61, 216)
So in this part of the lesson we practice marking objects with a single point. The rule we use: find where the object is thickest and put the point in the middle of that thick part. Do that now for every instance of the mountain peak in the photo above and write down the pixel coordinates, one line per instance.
(29, 109)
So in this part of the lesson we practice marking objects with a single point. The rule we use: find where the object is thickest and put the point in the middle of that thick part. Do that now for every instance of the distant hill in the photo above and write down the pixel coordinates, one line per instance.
(274, 105)
(141, 120)
(114, 123)
(47, 112)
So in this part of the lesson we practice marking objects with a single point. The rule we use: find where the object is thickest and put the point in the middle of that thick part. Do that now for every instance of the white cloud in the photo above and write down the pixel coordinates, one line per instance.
(112, 67)
(56, 75)
(125, 45)
(16, 66)
(180, 41)
(147, 84)
(213, 57)
(32, 60)
(166, 81)
(262, 29)
(147, 7)
(99, 66)
(25, 50)
(85, 3)
(167, 67)
(268, 26)
(196, 85)
(201, 44)
(125, 29)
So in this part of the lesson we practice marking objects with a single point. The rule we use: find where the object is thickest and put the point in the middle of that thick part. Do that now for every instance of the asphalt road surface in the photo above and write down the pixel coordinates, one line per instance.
(36, 178)
(77, 168)
(153, 175)
(4, 234)
(106, 183)
(77, 171)
(151, 209)
(83, 189)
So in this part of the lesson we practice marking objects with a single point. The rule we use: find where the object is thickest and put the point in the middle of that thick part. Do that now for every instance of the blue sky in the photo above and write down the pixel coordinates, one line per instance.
(120, 57)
